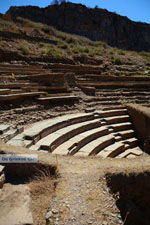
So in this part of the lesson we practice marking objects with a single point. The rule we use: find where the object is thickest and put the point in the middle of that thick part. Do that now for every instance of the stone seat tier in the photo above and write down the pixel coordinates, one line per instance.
(48, 89)
(95, 146)
(42, 75)
(20, 96)
(104, 102)
(9, 65)
(117, 103)
(92, 77)
(133, 151)
(116, 84)
(45, 100)
(132, 142)
(117, 119)
(123, 93)
(17, 85)
(126, 133)
(19, 140)
(120, 97)
(75, 143)
(111, 112)
(4, 91)
(121, 126)
(11, 133)
(111, 107)
(4, 128)
(21, 74)
(112, 150)
(58, 94)
(16, 91)
(53, 140)
(41, 129)
(110, 98)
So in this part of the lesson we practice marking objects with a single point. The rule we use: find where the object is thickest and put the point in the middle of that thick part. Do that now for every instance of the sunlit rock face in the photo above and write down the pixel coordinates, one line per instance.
(96, 24)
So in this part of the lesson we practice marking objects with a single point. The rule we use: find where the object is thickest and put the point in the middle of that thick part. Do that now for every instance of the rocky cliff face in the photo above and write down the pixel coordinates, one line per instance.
(96, 24)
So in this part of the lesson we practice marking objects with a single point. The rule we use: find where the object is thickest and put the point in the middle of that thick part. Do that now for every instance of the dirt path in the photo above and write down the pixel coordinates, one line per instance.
(81, 196)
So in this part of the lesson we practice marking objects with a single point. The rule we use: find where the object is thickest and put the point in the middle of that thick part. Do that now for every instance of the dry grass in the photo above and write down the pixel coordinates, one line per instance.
(88, 171)
(41, 190)
(66, 45)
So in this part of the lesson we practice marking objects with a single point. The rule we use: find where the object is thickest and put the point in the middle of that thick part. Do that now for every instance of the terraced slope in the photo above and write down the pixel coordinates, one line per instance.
(125, 84)
(20, 82)
(106, 133)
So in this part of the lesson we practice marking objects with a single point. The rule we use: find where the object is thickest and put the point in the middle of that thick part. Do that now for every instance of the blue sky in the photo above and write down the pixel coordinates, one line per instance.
(137, 10)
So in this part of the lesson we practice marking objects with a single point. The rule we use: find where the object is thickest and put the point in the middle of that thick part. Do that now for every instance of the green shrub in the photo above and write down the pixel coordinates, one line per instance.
(118, 61)
(52, 50)
(24, 50)
(120, 52)
(63, 46)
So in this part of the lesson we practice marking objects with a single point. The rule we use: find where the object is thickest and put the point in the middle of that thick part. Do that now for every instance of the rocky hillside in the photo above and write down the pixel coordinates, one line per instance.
(96, 24)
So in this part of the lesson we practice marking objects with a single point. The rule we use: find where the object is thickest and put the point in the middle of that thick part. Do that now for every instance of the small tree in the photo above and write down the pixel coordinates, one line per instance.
(55, 2)
(62, 1)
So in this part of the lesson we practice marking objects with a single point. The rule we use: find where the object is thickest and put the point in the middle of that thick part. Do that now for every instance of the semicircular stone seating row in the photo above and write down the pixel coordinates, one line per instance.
(107, 133)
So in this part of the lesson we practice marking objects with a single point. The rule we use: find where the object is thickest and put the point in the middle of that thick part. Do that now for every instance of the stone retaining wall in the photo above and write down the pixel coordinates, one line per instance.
(140, 116)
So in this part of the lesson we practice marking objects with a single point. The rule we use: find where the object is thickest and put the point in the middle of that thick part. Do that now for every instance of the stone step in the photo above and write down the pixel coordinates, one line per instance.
(132, 151)
(11, 91)
(98, 99)
(117, 119)
(88, 90)
(8, 73)
(58, 94)
(132, 142)
(42, 129)
(46, 100)
(10, 65)
(117, 100)
(19, 141)
(16, 91)
(118, 84)
(112, 98)
(123, 92)
(21, 96)
(95, 146)
(49, 89)
(106, 102)
(111, 112)
(74, 144)
(121, 126)
(108, 78)
(112, 150)
(11, 133)
(126, 133)
(4, 91)
(52, 141)
(4, 128)
(53, 91)
(89, 110)
(116, 107)
(17, 85)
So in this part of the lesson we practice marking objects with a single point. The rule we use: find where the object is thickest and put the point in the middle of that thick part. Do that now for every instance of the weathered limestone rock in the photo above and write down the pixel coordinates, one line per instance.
(96, 24)
(15, 205)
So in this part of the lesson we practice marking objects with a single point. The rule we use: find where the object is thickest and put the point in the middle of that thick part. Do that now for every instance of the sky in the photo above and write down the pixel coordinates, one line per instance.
(137, 10)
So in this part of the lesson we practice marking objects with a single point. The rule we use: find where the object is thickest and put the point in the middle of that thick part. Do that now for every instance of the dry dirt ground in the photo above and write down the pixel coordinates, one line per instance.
(28, 112)
(80, 195)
